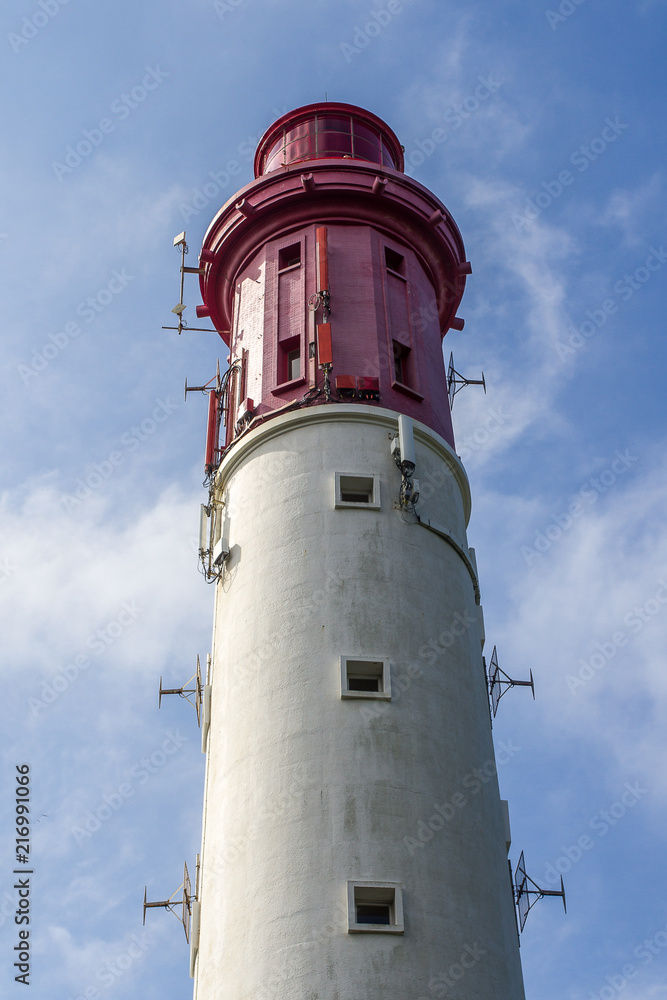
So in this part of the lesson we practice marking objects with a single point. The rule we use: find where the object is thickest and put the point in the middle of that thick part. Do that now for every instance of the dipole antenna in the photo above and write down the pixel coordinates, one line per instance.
(187, 692)
(525, 887)
(456, 381)
(184, 902)
(207, 387)
(500, 682)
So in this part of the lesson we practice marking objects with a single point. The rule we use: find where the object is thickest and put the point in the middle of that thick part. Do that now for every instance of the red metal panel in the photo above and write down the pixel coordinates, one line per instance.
(322, 259)
(212, 429)
(324, 351)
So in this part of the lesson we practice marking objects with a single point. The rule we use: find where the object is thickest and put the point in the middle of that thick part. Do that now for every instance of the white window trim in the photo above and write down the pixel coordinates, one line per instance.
(374, 502)
(397, 927)
(194, 936)
(383, 695)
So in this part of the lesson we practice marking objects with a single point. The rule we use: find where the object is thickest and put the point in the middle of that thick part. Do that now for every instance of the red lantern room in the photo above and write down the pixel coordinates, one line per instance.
(333, 277)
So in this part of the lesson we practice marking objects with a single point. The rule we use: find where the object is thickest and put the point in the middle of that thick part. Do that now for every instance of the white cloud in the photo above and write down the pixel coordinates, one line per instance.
(628, 210)
(586, 609)
(81, 582)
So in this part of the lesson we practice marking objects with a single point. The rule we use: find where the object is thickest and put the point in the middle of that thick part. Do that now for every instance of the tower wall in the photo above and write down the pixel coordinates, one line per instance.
(306, 790)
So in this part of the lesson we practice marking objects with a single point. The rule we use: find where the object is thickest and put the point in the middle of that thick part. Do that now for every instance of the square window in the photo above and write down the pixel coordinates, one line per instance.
(375, 907)
(357, 491)
(394, 261)
(365, 677)
(289, 256)
(289, 360)
(401, 363)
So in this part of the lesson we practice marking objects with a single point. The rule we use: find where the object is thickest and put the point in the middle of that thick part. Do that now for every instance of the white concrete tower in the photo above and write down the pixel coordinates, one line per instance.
(354, 842)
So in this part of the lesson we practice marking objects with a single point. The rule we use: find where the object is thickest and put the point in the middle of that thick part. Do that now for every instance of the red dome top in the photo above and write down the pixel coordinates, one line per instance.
(328, 131)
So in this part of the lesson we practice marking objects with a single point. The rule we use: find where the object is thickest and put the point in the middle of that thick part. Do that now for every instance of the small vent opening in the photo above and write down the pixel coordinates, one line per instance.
(394, 261)
(375, 907)
(289, 256)
(356, 489)
(365, 678)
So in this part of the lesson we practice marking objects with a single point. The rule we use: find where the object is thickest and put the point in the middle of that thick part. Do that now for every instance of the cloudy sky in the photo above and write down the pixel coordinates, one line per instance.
(541, 128)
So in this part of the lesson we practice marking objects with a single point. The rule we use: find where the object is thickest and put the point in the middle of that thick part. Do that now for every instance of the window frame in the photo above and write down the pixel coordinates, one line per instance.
(361, 890)
(282, 255)
(397, 335)
(384, 677)
(373, 502)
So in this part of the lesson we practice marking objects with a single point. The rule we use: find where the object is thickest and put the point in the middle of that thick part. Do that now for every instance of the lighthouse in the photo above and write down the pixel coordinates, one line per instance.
(354, 840)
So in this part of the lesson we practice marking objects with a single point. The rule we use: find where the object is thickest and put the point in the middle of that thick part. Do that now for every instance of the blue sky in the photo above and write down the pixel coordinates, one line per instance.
(541, 128)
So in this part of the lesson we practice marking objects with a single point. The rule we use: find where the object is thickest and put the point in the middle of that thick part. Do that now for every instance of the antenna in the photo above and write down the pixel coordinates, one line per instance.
(185, 902)
(186, 692)
(180, 307)
(523, 892)
(456, 381)
(500, 685)
(403, 452)
(207, 387)
(486, 684)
